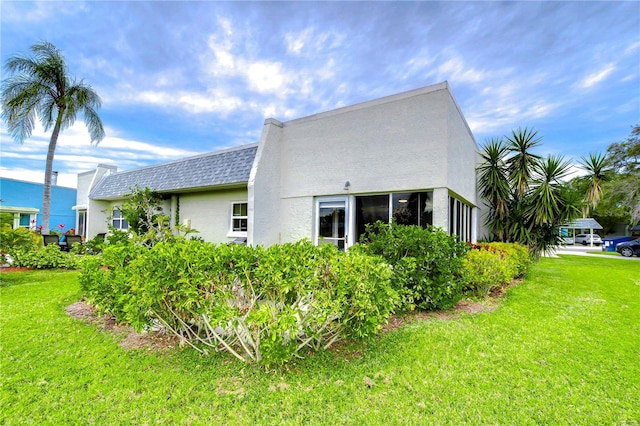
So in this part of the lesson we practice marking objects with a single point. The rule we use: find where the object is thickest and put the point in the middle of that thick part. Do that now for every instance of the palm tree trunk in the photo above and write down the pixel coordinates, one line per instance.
(48, 171)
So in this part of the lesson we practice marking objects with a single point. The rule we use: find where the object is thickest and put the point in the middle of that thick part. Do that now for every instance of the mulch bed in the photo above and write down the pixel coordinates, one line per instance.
(152, 340)
(161, 340)
(14, 269)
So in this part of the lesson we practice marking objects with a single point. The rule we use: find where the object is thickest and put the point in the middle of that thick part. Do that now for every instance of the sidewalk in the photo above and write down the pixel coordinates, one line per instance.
(582, 251)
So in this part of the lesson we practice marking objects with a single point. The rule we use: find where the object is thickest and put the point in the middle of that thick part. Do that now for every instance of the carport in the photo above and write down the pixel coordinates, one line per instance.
(581, 225)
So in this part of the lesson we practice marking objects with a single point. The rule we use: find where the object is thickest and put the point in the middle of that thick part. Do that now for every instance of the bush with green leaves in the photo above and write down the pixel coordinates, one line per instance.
(427, 263)
(493, 265)
(18, 239)
(516, 254)
(48, 257)
(262, 305)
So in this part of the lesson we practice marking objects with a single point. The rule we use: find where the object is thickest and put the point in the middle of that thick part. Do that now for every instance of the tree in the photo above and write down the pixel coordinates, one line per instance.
(596, 166)
(526, 197)
(494, 185)
(623, 190)
(143, 211)
(522, 164)
(42, 88)
(625, 156)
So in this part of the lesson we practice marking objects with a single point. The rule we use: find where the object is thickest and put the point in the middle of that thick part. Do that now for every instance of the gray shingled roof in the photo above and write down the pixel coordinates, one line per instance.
(226, 167)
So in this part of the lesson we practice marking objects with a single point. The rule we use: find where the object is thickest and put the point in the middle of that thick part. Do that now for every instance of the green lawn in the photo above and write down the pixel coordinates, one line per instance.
(563, 348)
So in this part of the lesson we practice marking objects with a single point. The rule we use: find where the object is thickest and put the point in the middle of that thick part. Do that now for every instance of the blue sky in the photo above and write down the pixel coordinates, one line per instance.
(182, 78)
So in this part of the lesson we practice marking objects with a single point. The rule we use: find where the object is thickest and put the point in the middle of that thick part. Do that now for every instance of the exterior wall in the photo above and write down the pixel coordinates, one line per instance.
(210, 213)
(384, 145)
(441, 208)
(462, 156)
(409, 142)
(96, 215)
(297, 219)
(21, 194)
(264, 188)
(98, 212)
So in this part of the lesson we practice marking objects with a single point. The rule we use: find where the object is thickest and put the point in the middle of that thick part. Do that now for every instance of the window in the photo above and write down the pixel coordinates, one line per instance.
(414, 208)
(239, 218)
(331, 225)
(405, 208)
(25, 220)
(370, 209)
(82, 222)
(460, 222)
(118, 221)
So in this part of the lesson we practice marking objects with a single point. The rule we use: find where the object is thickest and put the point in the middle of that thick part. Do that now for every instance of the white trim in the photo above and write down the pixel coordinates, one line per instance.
(339, 201)
(10, 209)
(234, 234)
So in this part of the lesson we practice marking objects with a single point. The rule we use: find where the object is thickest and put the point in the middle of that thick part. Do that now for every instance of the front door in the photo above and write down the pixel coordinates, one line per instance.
(331, 223)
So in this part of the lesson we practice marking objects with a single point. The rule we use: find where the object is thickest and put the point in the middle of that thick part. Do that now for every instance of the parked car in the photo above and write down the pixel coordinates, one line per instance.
(629, 248)
(585, 239)
(566, 241)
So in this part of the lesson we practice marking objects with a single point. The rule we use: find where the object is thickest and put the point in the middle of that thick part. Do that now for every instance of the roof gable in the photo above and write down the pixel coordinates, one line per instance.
(219, 168)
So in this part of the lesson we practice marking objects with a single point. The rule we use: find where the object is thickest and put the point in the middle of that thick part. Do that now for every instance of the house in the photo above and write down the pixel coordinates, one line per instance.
(23, 201)
(410, 157)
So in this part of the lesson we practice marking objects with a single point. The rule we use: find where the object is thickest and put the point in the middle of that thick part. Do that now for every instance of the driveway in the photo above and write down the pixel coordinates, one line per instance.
(582, 251)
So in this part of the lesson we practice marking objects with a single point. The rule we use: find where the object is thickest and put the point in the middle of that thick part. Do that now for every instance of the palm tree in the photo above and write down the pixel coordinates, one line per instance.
(42, 87)
(547, 203)
(526, 198)
(494, 185)
(523, 163)
(596, 165)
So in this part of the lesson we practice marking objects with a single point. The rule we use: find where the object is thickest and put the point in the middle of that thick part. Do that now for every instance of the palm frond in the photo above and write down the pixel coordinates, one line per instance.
(522, 164)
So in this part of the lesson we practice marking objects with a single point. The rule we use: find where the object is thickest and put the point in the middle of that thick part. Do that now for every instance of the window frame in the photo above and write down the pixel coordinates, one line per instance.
(390, 205)
(120, 219)
(232, 217)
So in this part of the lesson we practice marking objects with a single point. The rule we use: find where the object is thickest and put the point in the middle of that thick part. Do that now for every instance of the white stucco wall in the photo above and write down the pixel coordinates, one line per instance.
(384, 145)
(412, 141)
(83, 187)
(97, 213)
(264, 188)
(462, 155)
(210, 213)
(96, 209)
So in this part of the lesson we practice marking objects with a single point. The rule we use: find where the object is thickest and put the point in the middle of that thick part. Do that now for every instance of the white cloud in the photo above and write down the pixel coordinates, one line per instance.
(457, 71)
(309, 42)
(74, 154)
(68, 180)
(296, 41)
(597, 76)
(38, 11)
(266, 77)
(630, 50)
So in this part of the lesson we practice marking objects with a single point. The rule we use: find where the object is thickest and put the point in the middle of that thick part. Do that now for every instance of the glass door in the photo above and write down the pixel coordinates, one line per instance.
(331, 223)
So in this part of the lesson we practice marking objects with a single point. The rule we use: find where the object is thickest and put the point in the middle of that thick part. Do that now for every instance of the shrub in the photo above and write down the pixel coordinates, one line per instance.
(49, 257)
(492, 265)
(517, 254)
(427, 263)
(261, 305)
(18, 239)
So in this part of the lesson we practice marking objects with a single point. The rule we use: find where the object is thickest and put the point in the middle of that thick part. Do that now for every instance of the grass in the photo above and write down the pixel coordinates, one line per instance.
(606, 253)
(562, 349)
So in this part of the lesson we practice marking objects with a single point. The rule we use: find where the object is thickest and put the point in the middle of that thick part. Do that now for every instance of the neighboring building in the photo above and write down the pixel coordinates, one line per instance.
(23, 200)
(409, 157)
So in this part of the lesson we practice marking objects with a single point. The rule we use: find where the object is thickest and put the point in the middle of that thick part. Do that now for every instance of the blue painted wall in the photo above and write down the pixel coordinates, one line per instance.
(17, 193)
